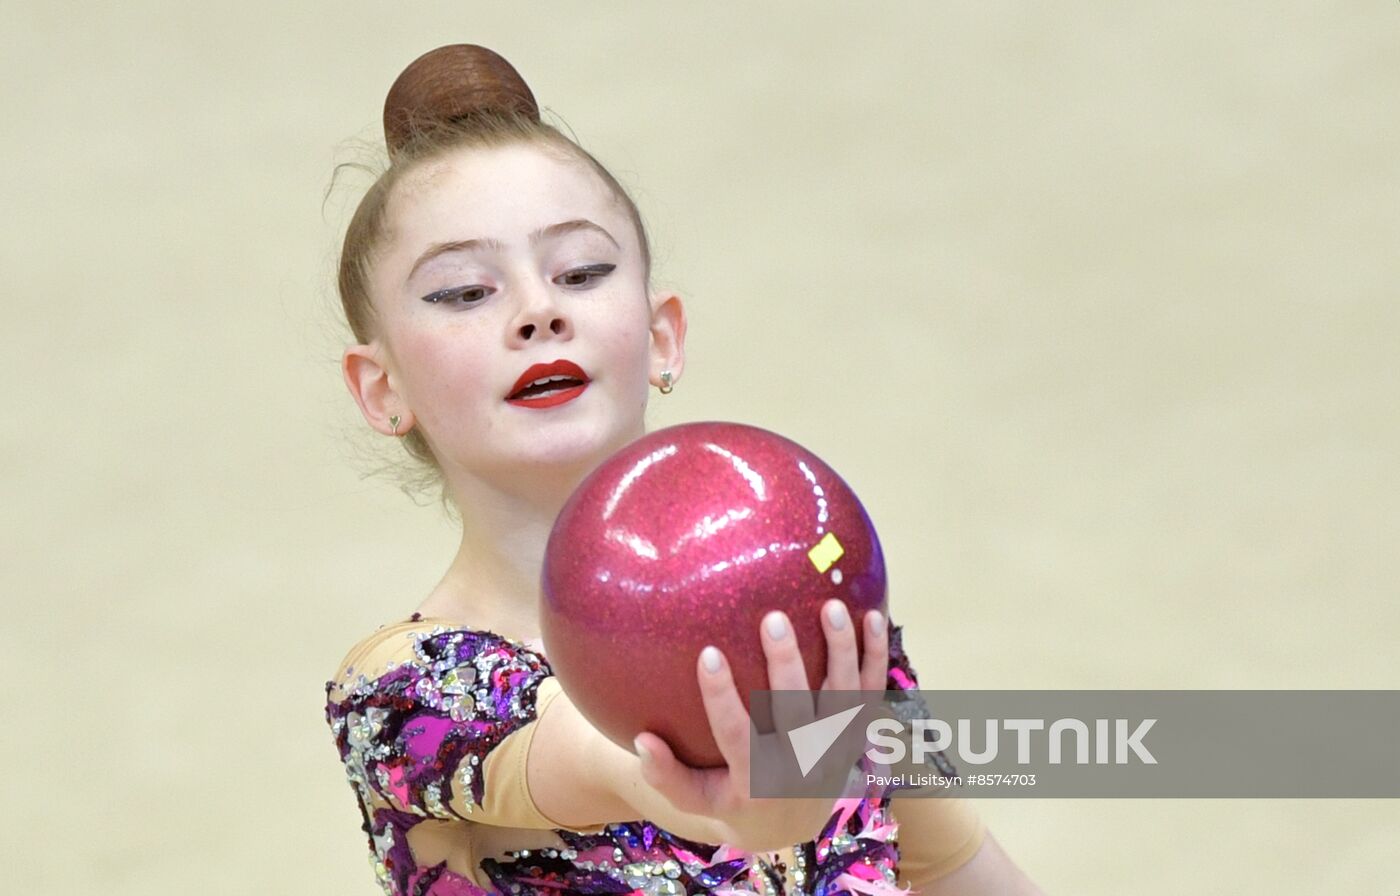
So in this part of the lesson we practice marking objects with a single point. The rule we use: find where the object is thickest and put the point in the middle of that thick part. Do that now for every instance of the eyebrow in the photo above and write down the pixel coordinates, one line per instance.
(550, 232)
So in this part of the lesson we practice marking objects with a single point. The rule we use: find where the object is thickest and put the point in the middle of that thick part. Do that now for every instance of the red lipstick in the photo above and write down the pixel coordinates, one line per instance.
(548, 385)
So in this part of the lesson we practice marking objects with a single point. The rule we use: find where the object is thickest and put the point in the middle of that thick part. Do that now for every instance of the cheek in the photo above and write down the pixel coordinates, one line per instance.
(631, 345)
(632, 327)
(440, 372)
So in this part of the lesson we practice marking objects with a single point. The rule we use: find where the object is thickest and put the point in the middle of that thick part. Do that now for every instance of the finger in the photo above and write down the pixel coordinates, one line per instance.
(729, 719)
(842, 664)
(875, 665)
(786, 671)
(682, 785)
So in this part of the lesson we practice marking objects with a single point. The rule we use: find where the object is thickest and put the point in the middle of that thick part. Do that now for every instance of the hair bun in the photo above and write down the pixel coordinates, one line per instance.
(451, 83)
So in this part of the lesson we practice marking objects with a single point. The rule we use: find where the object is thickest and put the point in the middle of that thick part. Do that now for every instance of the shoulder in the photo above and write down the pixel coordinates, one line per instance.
(404, 654)
(417, 707)
(377, 653)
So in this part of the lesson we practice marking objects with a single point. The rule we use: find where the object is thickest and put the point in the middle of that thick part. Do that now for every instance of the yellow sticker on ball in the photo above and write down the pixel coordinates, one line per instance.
(825, 552)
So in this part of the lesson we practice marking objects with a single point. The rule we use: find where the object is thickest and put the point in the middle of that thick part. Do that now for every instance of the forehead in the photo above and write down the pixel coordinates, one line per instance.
(500, 193)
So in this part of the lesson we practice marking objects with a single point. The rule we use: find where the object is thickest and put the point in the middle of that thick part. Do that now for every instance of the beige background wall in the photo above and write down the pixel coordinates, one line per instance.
(1094, 303)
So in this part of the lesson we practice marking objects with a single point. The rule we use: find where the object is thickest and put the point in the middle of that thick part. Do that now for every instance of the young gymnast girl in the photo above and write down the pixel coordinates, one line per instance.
(497, 279)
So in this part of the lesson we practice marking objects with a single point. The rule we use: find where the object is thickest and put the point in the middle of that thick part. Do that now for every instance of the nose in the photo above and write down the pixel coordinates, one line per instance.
(556, 326)
(540, 316)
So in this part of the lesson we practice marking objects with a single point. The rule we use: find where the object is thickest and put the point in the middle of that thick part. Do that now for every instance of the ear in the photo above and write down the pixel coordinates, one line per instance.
(667, 336)
(368, 381)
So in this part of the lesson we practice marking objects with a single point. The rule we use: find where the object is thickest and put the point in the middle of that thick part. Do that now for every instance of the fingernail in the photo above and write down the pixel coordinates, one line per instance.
(710, 657)
(836, 615)
(642, 753)
(877, 623)
(777, 626)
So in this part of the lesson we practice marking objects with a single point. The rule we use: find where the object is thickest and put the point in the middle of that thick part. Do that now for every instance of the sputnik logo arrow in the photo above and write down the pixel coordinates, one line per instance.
(811, 741)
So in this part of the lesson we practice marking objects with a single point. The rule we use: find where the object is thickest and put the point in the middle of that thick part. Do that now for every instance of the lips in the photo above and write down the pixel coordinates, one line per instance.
(548, 385)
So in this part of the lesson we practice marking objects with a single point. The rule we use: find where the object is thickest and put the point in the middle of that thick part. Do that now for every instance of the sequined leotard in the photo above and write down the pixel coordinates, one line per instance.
(432, 723)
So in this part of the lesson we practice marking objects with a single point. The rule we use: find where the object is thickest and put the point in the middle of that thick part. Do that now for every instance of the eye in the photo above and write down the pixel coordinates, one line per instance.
(465, 295)
(583, 276)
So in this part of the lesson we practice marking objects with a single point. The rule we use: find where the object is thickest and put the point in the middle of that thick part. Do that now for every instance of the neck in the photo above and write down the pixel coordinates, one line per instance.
(494, 580)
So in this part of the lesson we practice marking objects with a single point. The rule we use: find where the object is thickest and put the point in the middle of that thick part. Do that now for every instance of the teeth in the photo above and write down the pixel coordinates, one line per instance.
(559, 381)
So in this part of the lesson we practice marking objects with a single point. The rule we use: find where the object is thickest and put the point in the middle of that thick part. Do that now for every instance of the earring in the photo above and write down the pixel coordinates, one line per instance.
(666, 386)
(394, 422)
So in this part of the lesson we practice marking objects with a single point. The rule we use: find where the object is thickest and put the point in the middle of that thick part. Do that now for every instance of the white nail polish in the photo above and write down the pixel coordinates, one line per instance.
(776, 626)
(877, 624)
(836, 615)
(710, 657)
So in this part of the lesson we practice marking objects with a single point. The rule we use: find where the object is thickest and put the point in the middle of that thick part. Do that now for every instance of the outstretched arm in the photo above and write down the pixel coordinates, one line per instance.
(990, 871)
(580, 778)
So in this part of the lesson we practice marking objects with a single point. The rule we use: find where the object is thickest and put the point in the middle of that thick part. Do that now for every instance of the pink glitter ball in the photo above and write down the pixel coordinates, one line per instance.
(688, 537)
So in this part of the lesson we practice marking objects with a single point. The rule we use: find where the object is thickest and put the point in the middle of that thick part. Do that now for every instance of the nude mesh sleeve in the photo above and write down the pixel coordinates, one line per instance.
(508, 798)
(937, 836)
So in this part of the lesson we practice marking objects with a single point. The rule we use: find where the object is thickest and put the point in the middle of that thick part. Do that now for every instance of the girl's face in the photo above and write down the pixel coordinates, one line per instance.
(504, 267)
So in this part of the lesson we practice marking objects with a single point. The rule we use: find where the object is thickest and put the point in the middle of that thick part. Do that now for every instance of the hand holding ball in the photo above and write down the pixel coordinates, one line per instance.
(688, 537)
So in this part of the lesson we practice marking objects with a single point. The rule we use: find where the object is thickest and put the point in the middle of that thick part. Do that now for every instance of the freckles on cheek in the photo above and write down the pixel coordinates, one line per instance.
(438, 369)
(635, 345)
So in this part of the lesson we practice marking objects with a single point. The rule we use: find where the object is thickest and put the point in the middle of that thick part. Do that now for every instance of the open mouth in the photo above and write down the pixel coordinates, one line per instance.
(547, 385)
(552, 385)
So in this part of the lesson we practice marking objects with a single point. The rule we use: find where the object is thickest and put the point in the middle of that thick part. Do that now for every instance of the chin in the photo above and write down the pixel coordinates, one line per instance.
(569, 455)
